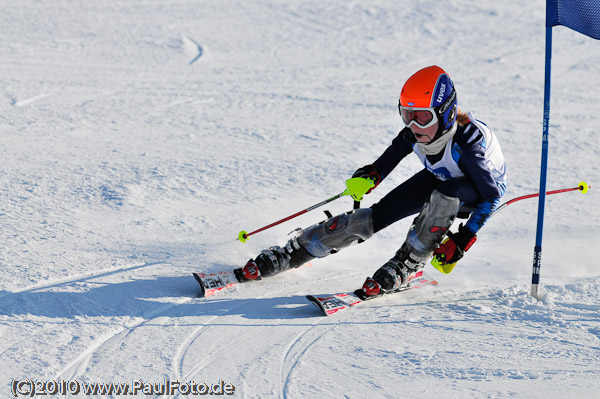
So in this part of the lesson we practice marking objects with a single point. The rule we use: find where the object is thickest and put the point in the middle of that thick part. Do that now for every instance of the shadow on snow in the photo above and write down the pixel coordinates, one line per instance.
(160, 297)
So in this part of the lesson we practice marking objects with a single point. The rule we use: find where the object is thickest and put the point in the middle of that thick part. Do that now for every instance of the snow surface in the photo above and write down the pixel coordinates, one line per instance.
(139, 137)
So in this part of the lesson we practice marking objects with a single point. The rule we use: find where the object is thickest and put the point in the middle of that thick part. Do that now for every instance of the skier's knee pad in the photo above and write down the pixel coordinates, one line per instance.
(337, 232)
(433, 223)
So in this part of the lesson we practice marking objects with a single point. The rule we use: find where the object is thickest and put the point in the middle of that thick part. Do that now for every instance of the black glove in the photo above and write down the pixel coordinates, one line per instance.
(453, 249)
(369, 172)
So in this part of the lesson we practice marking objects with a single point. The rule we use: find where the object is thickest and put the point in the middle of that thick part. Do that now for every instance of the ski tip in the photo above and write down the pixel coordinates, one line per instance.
(330, 304)
(202, 289)
(313, 299)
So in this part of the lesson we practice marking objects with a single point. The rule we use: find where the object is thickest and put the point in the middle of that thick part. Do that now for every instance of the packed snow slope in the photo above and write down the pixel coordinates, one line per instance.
(139, 137)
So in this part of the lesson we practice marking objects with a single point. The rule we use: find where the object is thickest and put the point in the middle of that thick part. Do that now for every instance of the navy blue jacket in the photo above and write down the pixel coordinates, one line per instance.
(469, 146)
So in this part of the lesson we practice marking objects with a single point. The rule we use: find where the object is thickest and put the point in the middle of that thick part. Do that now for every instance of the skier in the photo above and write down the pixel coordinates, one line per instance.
(464, 176)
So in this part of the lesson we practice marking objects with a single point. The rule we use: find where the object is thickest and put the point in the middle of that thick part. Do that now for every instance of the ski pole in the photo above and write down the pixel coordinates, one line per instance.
(446, 268)
(243, 236)
(583, 187)
(356, 188)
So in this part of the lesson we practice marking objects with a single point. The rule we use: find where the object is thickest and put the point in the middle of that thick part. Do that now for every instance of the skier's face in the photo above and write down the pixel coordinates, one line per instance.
(424, 135)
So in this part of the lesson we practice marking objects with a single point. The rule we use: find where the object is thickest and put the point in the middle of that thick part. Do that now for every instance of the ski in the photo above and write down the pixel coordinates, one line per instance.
(211, 283)
(330, 304)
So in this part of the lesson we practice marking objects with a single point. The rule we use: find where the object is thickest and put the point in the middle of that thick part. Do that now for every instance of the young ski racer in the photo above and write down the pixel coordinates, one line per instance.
(464, 175)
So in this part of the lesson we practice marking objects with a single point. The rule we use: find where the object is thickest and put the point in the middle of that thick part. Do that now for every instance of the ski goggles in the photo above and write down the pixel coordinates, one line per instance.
(422, 117)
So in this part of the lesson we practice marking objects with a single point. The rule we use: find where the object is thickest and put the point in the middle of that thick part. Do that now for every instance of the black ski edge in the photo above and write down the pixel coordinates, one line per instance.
(361, 294)
(363, 297)
(238, 275)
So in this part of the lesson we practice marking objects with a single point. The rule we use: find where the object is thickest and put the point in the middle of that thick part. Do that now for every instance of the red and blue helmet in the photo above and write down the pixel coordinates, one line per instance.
(428, 96)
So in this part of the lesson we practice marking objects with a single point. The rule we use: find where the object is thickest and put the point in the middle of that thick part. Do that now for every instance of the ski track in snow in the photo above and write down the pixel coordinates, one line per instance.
(186, 346)
(192, 48)
(78, 367)
(28, 101)
(81, 278)
(138, 138)
(296, 354)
